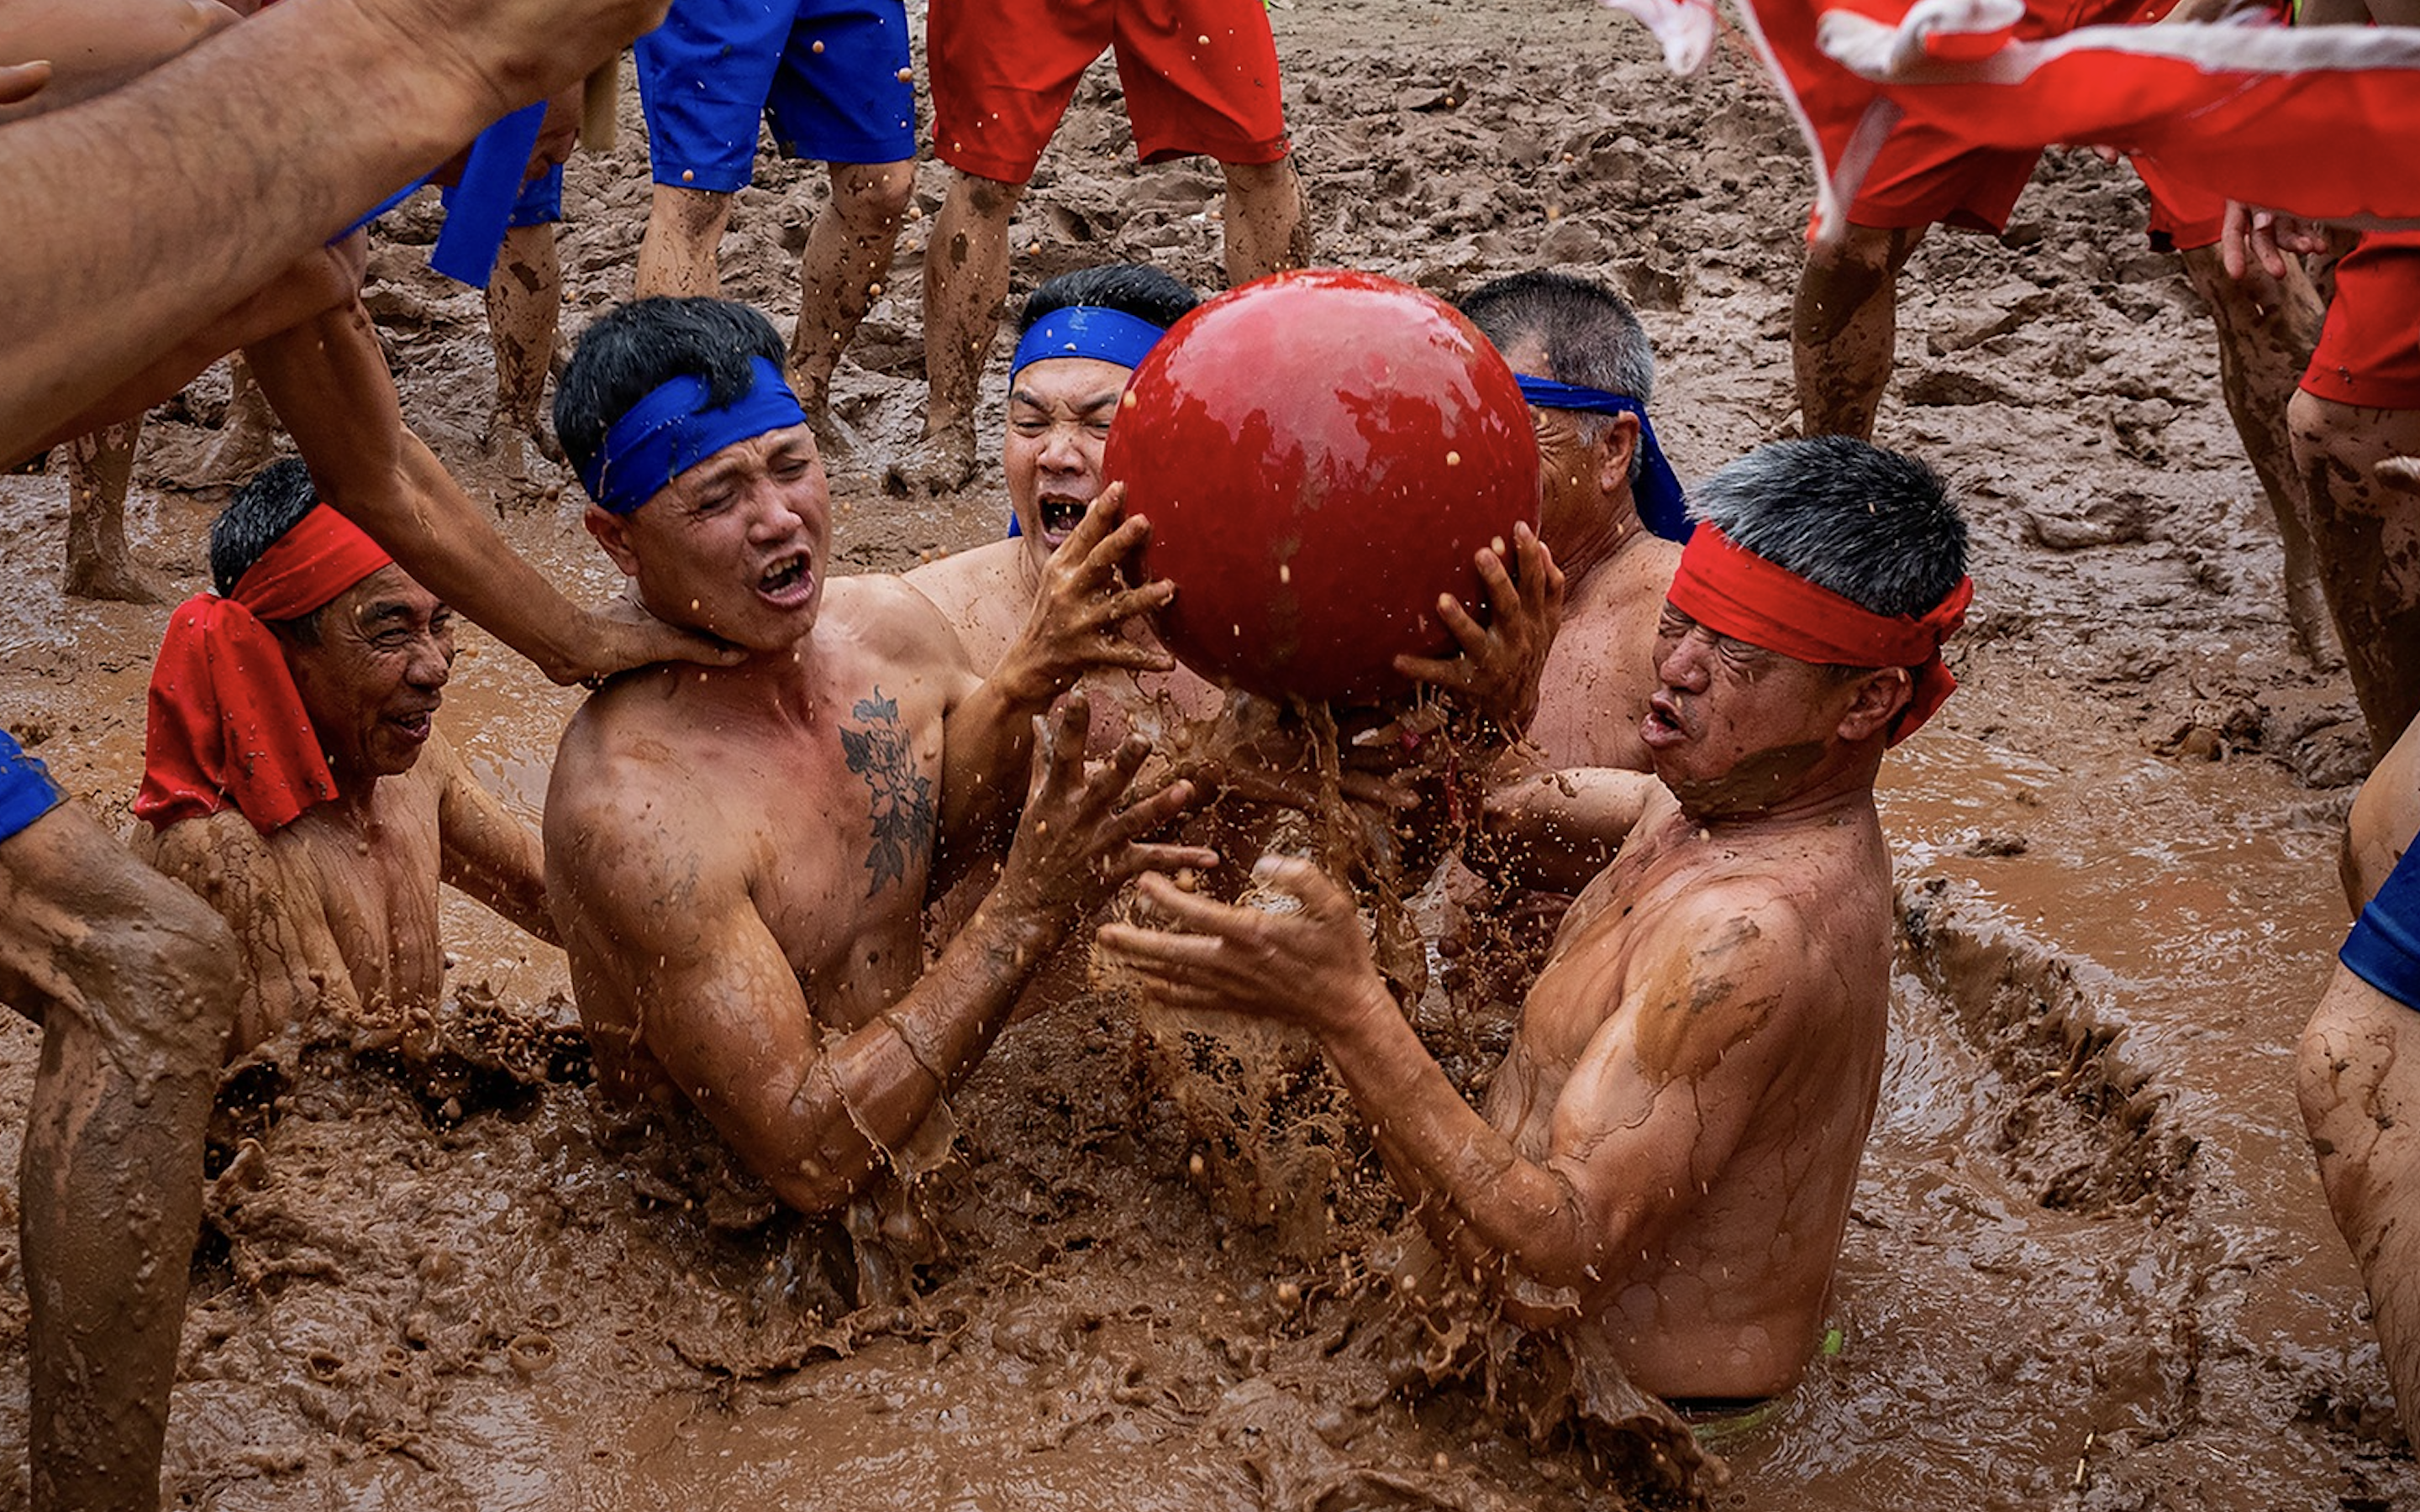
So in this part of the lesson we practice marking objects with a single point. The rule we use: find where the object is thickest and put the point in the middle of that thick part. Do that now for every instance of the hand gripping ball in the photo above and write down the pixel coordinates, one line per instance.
(1319, 455)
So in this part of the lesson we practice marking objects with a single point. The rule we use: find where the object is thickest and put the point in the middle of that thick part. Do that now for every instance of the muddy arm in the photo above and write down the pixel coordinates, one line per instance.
(485, 850)
(1556, 830)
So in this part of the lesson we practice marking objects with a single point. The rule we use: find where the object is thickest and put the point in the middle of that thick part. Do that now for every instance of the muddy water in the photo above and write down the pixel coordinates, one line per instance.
(2089, 1267)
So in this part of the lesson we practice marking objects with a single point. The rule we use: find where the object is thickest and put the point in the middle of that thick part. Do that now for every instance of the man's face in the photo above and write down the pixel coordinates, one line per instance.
(736, 545)
(1577, 479)
(379, 673)
(1059, 414)
(1732, 727)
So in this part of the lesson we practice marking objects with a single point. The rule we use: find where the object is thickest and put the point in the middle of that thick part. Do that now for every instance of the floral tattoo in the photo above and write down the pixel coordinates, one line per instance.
(903, 797)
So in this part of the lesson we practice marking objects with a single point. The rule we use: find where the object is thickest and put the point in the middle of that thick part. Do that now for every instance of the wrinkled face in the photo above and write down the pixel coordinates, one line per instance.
(1572, 495)
(1059, 414)
(736, 546)
(379, 673)
(1733, 727)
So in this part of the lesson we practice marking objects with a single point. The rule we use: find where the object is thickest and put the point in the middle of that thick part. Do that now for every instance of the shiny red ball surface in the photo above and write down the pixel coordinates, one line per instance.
(1320, 454)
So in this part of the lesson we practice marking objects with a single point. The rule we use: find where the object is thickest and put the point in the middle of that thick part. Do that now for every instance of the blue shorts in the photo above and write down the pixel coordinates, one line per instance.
(2383, 948)
(540, 202)
(831, 75)
(27, 791)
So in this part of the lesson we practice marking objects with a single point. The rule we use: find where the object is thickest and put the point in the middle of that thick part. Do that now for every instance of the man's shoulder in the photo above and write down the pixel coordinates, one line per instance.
(981, 592)
(889, 620)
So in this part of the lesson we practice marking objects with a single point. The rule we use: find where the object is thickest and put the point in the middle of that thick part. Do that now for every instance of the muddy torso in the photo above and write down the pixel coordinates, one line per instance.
(1725, 1297)
(1601, 669)
(363, 885)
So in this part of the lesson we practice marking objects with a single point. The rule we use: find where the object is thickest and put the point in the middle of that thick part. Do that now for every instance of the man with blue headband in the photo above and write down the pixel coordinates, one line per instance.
(739, 857)
(1080, 336)
(1611, 512)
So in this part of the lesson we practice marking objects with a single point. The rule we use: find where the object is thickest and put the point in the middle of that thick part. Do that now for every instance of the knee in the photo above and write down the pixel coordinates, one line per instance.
(990, 199)
(873, 195)
(1248, 180)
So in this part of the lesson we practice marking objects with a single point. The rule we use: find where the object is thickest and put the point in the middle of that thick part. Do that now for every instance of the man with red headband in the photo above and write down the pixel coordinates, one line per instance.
(292, 776)
(1665, 1161)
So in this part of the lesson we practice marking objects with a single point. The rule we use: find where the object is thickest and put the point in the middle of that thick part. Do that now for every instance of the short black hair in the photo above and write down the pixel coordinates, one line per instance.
(1875, 527)
(1133, 288)
(1590, 334)
(272, 502)
(637, 347)
(260, 514)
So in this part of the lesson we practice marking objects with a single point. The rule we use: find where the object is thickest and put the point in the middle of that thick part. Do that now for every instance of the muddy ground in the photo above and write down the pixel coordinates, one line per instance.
(2088, 1266)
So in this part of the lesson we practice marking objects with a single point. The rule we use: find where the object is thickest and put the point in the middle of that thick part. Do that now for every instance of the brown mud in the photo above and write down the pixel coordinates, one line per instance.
(2089, 1267)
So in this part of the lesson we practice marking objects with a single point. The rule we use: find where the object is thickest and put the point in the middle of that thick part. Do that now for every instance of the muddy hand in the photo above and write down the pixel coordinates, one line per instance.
(521, 49)
(1502, 661)
(1081, 612)
(2248, 236)
(624, 635)
(1308, 965)
(1078, 839)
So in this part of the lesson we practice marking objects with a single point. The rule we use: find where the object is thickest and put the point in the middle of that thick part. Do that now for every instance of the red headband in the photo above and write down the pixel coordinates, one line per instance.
(225, 722)
(1734, 592)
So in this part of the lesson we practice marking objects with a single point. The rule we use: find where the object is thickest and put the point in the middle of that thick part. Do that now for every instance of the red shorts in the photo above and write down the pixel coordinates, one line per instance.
(1200, 76)
(2370, 351)
(1922, 176)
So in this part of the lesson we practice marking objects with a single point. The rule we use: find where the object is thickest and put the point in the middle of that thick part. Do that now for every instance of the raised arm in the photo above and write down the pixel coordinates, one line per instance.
(717, 1003)
(1554, 831)
(1652, 1108)
(328, 381)
(485, 849)
(1076, 625)
(212, 146)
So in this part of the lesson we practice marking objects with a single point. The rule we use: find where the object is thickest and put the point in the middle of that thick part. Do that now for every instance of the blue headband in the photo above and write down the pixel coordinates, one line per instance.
(669, 432)
(1087, 331)
(1657, 494)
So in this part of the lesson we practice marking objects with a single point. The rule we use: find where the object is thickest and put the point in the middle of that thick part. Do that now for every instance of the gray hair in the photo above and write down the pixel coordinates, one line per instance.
(1874, 527)
(1589, 335)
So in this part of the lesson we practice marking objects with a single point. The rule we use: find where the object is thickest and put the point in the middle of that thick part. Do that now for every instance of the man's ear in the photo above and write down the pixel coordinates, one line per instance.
(1881, 696)
(612, 532)
(1614, 453)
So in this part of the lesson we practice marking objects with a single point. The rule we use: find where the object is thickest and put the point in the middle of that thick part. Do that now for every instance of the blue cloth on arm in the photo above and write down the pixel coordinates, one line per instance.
(27, 791)
(672, 430)
(1657, 491)
(478, 213)
(2383, 948)
(540, 202)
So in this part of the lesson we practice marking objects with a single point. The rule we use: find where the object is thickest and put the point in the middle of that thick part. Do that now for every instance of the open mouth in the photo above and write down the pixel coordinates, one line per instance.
(1662, 726)
(1060, 516)
(415, 727)
(787, 579)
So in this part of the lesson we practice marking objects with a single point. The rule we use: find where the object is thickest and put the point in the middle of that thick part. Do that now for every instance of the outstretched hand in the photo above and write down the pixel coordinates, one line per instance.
(1075, 844)
(2248, 236)
(1309, 966)
(1080, 614)
(624, 635)
(1502, 661)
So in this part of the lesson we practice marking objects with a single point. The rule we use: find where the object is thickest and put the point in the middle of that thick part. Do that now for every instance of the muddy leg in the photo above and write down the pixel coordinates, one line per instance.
(847, 259)
(133, 979)
(2266, 330)
(523, 299)
(248, 436)
(966, 281)
(1266, 229)
(676, 255)
(1843, 326)
(100, 468)
(2358, 1078)
(2367, 537)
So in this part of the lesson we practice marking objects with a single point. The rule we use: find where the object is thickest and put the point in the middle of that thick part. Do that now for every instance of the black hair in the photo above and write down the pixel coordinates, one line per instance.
(637, 347)
(262, 511)
(1875, 527)
(1145, 293)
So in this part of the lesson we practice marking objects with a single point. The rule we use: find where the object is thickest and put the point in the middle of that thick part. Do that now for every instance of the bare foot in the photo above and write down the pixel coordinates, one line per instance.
(247, 442)
(514, 464)
(115, 577)
(940, 464)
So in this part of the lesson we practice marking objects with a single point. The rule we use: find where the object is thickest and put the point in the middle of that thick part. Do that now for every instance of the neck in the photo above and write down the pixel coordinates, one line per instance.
(1841, 782)
(1603, 541)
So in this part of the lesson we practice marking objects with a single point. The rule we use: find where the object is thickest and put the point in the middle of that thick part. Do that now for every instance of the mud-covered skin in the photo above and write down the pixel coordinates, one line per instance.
(524, 299)
(134, 984)
(2366, 535)
(1669, 1148)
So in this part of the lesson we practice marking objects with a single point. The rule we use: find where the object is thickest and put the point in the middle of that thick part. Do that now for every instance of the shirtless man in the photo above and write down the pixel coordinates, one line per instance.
(1588, 371)
(2358, 1071)
(1668, 1151)
(739, 856)
(321, 663)
(132, 977)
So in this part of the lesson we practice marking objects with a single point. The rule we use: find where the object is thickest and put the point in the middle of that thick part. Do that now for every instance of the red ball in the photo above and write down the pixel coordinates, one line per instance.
(1320, 454)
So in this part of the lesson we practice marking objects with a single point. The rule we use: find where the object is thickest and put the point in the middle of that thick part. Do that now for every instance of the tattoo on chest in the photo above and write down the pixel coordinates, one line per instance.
(903, 797)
